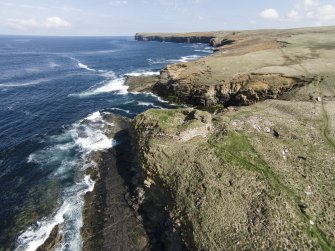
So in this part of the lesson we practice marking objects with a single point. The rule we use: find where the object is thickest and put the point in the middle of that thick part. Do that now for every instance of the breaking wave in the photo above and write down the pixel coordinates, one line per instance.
(142, 73)
(149, 104)
(174, 61)
(69, 153)
(84, 66)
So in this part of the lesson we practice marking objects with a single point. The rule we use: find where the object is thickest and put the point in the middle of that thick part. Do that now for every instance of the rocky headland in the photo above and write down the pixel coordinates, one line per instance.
(191, 37)
(250, 166)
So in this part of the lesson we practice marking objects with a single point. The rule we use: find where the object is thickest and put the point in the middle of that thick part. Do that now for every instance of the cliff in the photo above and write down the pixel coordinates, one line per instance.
(258, 65)
(256, 178)
(256, 174)
(193, 37)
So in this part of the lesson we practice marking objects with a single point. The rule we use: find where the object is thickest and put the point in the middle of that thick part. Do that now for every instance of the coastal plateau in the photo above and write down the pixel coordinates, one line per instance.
(249, 165)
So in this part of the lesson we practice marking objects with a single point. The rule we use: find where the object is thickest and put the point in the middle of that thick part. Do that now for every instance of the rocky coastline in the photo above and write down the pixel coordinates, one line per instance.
(253, 173)
(195, 37)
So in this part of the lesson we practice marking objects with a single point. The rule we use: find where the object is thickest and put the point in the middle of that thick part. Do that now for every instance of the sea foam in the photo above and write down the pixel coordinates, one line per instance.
(149, 104)
(144, 73)
(173, 61)
(84, 66)
(68, 152)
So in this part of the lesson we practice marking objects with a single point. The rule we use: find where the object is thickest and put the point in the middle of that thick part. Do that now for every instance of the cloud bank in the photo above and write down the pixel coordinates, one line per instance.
(50, 22)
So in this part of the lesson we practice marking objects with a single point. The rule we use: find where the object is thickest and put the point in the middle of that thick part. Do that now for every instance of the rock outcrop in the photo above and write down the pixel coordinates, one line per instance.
(54, 241)
(109, 222)
(141, 83)
(242, 90)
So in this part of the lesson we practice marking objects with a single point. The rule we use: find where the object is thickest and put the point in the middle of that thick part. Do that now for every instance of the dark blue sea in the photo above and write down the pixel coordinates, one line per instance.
(48, 87)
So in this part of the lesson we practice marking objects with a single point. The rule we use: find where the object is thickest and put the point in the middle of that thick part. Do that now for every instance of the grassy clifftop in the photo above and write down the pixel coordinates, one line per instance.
(257, 177)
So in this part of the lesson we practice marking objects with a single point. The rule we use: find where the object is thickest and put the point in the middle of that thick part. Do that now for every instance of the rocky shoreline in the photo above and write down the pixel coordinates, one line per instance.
(254, 175)
(122, 212)
(109, 222)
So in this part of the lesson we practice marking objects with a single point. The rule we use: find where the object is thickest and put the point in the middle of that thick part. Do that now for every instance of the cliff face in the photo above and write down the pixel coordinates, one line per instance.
(176, 38)
(246, 89)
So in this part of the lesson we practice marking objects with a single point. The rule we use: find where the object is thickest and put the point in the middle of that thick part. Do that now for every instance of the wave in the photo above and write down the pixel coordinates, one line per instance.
(152, 95)
(111, 84)
(149, 104)
(114, 85)
(35, 236)
(142, 73)
(183, 59)
(30, 83)
(84, 66)
(98, 52)
(205, 51)
(96, 116)
(67, 153)
(108, 74)
(122, 110)
(53, 65)
(35, 81)
(189, 58)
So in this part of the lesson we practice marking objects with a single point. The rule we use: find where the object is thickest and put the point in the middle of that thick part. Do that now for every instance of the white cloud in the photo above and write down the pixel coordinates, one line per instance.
(311, 3)
(40, 8)
(118, 2)
(312, 10)
(269, 14)
(323, 13)
(56, 22)
(293, 15)
(22, 23)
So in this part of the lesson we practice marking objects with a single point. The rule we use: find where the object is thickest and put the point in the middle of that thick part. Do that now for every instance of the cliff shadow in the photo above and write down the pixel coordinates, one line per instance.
(148, 203)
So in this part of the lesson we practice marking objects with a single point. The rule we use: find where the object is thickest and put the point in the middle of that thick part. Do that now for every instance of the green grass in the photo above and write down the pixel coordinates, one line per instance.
(237, 150)
(163, 116)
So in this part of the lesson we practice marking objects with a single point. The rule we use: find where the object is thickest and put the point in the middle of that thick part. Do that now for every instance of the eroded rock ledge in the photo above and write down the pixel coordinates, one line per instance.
(242, 90)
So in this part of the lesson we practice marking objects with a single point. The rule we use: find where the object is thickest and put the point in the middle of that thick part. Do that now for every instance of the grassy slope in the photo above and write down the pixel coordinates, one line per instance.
(264, 176)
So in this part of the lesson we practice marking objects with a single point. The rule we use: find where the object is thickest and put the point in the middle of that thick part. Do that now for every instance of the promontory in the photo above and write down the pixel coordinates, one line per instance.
(249, 164)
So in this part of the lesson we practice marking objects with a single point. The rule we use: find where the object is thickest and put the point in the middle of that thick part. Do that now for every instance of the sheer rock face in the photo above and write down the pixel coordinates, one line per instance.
(243, 90)
(196, 37)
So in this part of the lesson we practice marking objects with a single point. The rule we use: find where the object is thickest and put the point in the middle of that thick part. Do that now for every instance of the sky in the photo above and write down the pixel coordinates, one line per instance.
(126, 17)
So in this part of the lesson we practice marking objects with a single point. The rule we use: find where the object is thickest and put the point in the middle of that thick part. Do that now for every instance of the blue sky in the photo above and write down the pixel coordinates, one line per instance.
(126, 17)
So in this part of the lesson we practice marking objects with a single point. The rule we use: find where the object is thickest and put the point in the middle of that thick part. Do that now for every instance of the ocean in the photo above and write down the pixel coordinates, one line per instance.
(53, 93)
